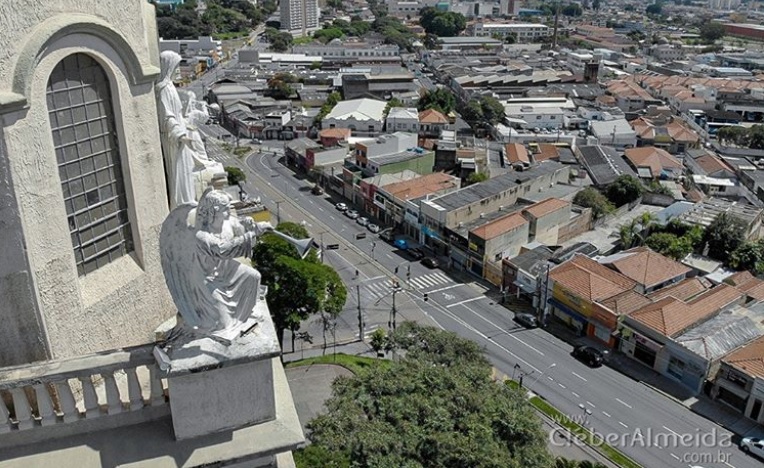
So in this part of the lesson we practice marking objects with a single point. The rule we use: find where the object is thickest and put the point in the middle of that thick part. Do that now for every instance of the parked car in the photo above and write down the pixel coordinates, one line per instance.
(387, 235)
(352, 214)
(363, 221)
(753, 446)
(430, 262)
(588, 355)
(316, 190)
(401, 244)
(372, 227)
(417, 254)
(527, 320)
(341, 206)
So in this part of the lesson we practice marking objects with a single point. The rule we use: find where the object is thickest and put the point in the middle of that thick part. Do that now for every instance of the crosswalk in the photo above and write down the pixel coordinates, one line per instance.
(383, 287)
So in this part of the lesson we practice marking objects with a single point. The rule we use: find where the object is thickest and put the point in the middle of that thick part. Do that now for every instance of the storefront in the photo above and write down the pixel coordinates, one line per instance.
(639, 347)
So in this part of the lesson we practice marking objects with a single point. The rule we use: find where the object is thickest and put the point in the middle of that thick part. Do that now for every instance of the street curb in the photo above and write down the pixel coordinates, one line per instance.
(594, 453)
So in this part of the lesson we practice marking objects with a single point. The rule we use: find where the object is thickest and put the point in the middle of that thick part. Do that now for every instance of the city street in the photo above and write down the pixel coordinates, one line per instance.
(646, 425)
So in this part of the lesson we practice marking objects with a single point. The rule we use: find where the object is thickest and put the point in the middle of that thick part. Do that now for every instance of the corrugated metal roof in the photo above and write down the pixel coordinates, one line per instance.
(725, 332)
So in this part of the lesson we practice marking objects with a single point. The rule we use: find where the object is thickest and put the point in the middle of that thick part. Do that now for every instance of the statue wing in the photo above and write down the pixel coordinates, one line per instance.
(177, 245)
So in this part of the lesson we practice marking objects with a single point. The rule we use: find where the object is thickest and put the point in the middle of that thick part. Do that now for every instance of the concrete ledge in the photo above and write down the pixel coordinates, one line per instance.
(152, 444)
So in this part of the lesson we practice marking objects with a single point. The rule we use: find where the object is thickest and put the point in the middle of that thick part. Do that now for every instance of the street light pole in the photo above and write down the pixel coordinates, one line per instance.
(278, 211)
(542, 373)
(360, 314)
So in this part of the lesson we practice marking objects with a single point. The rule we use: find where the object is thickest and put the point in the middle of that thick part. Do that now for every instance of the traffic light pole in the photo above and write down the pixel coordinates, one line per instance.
(360, 314)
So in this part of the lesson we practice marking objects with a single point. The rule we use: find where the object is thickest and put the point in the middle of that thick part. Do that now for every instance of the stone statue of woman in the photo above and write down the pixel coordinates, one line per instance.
(176, 145)
(214, 292)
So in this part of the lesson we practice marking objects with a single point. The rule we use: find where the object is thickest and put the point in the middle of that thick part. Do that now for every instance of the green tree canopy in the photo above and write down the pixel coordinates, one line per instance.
(669, 245)
(331, 101)
(711, 32)
(573, 9)
(394, 102)
(752, 137)
(654, 9)
(476, 177)
(441, 99)
(723, 236)
(441, 23)
(235, 175)
(482, 110)
(436, 406)
(591, 198)
(625, 189)
(749, 256)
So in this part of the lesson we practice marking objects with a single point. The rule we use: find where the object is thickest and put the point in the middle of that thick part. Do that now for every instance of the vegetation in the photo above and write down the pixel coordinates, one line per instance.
(656, 187)
(749, 256)
(442, 23)
(482, 110)
(752, 137)
(235, 175)
(378, 340)
(476, 177)
(394, 102)
(624, 190)
(572, 9)
(222, 18)
(711, 32)
(591, 198)
(670, 245)
(393, 31)
(297, 287)
(441, 99)
(636, 232)
(723, 236)
(279, 85)
(331, 101)
(436, 406)
(279, 41)
(654, 9)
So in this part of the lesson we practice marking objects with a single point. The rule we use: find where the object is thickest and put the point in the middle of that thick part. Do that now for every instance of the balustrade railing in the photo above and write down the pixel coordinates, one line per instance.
(83, 388)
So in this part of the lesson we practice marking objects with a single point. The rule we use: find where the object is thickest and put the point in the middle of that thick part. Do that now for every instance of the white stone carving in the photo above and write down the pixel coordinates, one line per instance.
(187, 166)
(215, 293)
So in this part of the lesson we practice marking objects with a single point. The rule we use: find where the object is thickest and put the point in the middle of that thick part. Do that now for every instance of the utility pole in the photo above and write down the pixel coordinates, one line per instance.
(360, 313)
(322, 251)
(278, 211)
(556, 23)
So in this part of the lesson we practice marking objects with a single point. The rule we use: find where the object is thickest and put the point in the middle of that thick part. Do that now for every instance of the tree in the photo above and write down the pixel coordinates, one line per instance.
(723, 236)
(441, 99)
(378, 340)
(476, 177)
(591, 198)
(654, 9)
(331, 100)
(573, 9)
(441, 23)
(472, 112)
(394, 102)
(436, 406)
(327, 34)
(493, 110)
(625, 189)
(669, 245)
(711, 32)
(595, 5)
(315, 65)
(749, 256)
(235, 175)
(297, 287)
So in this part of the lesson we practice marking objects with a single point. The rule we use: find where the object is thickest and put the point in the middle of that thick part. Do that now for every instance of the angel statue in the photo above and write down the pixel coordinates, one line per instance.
(215, 293)
(186, 163)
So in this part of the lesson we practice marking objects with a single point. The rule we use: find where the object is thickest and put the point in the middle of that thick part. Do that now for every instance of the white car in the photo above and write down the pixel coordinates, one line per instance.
(362, 221)
(372, 227)
(753, 446)
(352, 214)
(341, 206)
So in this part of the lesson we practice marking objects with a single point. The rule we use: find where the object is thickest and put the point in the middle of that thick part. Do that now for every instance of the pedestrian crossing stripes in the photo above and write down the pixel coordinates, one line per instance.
(432, 280)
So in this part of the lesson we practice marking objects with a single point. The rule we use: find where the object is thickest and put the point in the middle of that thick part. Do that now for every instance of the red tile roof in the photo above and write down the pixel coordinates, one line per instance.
(431, 116)
(499, 226)
(682, 290)
(749, 358)
(656, 159)
(515, 152)
(335, 133)
(545, 207)
(589, 279)
(648, 268)
(420, 186)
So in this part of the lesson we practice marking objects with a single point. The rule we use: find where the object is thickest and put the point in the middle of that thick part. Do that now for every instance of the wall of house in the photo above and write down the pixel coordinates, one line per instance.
(575, 226)
(506, 245)
(547, 227)
(422, 165)
(684, 366)
(358, 127)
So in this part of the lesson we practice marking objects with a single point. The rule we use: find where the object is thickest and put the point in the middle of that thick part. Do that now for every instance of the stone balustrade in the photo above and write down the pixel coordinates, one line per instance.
(78, 392)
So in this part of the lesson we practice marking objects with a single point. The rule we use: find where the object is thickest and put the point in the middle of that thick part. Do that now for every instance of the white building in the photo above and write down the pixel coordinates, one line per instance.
(538, 112)
(617, 133)
(403, 8)
(667, 52)
(523, 32)
(402, 119)
(365, 117)
(299, 17)
(577, 61)
(339, 49)
(204, 45)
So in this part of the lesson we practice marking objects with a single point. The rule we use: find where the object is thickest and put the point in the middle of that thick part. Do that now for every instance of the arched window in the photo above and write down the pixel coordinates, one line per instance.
(87, 151)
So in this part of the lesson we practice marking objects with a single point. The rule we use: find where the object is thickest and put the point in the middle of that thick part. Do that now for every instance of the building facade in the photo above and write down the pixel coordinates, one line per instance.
(299, 17)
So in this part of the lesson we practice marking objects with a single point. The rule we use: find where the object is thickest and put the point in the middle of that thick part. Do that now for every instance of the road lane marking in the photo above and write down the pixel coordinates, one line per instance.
(561, 385)
(731, 466)
(320, 209)
(671, 431)
(576, 394)
(623, 403)
(590, 404)
(580, 377)
(389, 256)
(502, 329)
(548, 377)
(606, 414)
(675, 456)
(444, 289)
(465, 301)
(332, 218)
(375, 278)
(622, 424)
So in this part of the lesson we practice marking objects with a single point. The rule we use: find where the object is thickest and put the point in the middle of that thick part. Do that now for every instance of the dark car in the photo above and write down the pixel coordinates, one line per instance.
(430, 262)
(417, 254)
(588, 355)
(316, 190)
(527, 320)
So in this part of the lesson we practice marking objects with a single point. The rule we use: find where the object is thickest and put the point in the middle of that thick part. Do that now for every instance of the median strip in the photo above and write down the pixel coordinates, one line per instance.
(577, 430)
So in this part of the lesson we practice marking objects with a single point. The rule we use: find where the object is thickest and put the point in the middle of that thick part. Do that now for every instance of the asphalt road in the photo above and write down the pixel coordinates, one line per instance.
(644, 424)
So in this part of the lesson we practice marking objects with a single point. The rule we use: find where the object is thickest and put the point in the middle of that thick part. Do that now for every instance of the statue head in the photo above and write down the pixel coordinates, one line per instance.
(168, 63)
(213, 210)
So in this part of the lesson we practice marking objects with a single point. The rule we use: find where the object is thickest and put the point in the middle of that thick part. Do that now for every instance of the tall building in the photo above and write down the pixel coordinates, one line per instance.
(299, 17)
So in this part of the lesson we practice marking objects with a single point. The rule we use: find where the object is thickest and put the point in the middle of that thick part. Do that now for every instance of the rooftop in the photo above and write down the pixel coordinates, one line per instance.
(545, 207)
(403, 113)
(683, 290)
(604, 164)
(656, 159)
(500, 226)
(645, 266)
(421, 186)
(358, 109)
(749, 358)
(725, 332)
(431, 116)
(590, 280)
(516, 153)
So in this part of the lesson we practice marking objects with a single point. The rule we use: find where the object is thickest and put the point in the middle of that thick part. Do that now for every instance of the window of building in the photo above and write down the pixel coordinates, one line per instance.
(89, 164)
